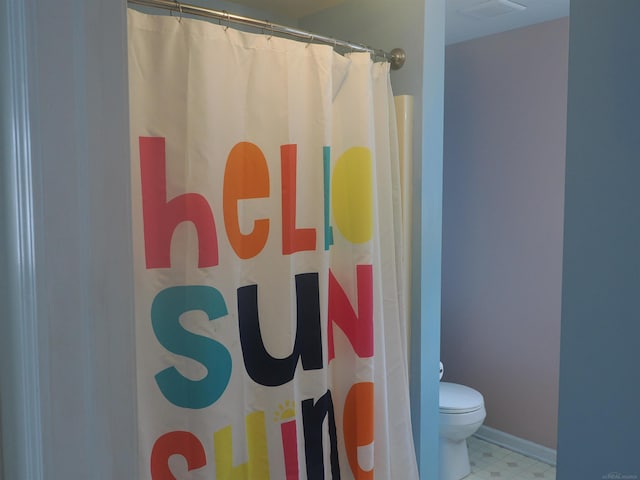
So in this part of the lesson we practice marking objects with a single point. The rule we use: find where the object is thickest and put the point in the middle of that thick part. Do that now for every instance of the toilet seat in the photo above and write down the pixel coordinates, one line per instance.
(458, 399)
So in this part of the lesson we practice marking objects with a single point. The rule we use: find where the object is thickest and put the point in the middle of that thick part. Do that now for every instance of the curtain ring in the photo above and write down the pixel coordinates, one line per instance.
(311, 39)
(270, 29)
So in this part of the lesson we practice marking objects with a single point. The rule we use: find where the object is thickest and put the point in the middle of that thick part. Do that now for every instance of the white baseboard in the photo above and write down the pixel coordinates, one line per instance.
(520, 445)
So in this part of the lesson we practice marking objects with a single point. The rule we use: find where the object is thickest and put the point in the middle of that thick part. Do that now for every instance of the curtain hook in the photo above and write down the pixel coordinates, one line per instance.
(179, 5)
(228, 19)
(311, 39)
(270, 29)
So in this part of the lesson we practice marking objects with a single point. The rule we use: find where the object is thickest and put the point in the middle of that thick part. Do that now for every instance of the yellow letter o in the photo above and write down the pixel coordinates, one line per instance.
(352, 194)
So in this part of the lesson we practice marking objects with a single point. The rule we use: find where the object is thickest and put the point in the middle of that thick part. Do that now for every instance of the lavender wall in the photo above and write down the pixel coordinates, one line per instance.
(505, 127)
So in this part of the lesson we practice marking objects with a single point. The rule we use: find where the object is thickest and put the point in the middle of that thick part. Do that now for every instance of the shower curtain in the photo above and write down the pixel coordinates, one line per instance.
(266, 215)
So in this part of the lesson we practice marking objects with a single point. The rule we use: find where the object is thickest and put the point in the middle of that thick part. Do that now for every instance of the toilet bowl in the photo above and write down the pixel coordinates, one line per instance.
(461, 414)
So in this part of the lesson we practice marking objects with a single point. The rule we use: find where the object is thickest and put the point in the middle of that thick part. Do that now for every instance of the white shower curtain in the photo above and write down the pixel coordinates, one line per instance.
(266, 216)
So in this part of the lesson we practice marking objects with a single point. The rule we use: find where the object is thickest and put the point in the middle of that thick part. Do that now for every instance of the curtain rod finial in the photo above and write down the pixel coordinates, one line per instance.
(398, 57)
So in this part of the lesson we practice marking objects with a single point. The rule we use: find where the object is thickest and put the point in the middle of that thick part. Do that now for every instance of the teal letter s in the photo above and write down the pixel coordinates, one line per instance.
(166, 309)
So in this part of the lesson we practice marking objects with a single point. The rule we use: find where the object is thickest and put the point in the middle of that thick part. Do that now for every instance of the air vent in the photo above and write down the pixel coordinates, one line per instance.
(492, 8)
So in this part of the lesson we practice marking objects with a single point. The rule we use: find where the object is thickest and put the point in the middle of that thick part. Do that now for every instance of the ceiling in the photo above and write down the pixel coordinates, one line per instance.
(484, 17)
(467, 19)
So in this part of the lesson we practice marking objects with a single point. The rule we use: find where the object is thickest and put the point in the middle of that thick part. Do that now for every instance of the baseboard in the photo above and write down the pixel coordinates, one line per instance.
(520, 445)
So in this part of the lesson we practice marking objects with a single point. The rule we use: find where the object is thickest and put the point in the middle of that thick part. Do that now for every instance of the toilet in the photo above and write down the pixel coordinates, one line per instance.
(461, 414)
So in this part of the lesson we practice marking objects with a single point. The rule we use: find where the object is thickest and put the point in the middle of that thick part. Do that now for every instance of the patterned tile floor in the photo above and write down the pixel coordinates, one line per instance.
(489, 461)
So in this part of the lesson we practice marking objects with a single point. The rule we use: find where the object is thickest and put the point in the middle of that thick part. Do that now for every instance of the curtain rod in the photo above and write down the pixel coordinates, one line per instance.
(396, 57)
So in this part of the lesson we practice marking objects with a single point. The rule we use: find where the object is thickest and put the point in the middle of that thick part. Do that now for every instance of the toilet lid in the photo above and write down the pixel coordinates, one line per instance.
(456, 398)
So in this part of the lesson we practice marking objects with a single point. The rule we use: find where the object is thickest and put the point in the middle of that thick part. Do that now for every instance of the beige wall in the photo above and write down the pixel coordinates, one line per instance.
(504, 161)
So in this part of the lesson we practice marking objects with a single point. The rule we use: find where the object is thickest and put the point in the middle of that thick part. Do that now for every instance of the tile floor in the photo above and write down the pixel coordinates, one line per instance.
(489, 461)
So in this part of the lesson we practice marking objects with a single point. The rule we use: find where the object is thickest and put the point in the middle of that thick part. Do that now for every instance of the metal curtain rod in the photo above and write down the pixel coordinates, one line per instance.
(396, 57)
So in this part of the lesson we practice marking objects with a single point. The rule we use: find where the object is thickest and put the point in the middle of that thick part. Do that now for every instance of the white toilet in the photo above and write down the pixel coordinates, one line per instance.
(461, 414)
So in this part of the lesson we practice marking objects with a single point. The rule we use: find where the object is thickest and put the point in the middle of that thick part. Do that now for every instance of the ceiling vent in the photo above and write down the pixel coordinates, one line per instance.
(492, 8)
